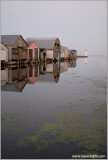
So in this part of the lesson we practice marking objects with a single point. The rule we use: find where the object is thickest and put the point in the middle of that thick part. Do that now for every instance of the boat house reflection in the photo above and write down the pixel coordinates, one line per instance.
(49, 72)
(72, 63)
(4, 77)
(63, 67)
(15, 78)
(33, 73)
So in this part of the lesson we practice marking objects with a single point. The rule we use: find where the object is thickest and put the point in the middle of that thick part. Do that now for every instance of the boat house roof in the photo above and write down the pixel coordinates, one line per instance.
(43, 42)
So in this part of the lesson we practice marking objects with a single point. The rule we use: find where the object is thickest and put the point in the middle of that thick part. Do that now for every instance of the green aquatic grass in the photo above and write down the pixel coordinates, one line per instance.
(98, 91)
(9, 121)
(98, 87)
(27, 140)
(88, 130)
(67, 107)
(49, 127)
(71, 127)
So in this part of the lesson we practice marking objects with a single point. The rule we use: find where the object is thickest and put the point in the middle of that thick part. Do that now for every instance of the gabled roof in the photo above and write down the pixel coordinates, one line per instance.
(43, 42)
(9, 39)
(3, 44)
(30, 43)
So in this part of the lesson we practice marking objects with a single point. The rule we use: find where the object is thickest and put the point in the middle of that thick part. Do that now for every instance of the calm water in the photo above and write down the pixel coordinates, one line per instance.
(54, 110)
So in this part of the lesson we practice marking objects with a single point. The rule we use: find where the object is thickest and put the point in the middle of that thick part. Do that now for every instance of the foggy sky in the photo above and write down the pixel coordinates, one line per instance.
(79, 25)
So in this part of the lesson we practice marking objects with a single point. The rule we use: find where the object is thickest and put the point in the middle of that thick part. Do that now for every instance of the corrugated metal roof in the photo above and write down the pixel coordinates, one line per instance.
(9, 39)
(43, 42)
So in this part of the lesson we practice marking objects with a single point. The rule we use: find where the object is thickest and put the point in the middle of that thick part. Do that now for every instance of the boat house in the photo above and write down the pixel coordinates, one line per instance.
(4, 53)
(72, 54)
(33, 51)
(51, 44)
(17, 48)
(64, 53)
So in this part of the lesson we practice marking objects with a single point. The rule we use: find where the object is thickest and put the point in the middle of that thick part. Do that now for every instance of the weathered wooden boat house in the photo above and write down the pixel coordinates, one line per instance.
(42, 54)
(41, 51)
(51, 44)
(4, 54)
(72, 63)
(32, 52)
(72, 54)
(17, 48)
(64, 53)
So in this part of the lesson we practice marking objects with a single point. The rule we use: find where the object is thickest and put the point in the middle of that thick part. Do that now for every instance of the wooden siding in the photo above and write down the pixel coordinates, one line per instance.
(63, 66)
(35, 52)
(49, 54)
(57, 48)
(19, 43)
(20, 84)
(4, 53)
(19, 53)
(9, 53)
(19, 74)
(64, 54)
(56, 71)
(19, 49)
(42, 56)
(49, 68)
(4, 77)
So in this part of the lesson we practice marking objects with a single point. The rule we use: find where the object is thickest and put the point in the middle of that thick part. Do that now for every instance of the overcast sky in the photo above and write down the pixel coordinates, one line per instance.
(78, 24)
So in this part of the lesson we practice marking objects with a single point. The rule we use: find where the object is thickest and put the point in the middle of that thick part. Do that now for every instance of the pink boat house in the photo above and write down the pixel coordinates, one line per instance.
(33, 74)
(33, 51)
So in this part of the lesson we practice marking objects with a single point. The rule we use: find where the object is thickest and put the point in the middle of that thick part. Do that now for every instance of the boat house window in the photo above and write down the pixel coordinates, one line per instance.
(20, 43)
(36, 52)
(36, 72)
(14, 53)
(57, 46)
(30, 51)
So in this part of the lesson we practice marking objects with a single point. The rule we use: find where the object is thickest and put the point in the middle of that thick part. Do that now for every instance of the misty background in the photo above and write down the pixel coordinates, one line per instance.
(79, 25)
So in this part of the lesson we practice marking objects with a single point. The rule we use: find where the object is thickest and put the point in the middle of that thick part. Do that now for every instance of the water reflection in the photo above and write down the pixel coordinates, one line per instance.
(72, 63)
(61, 112)
(15, 78)
(85, 60)
(33, 74)
(4, 77)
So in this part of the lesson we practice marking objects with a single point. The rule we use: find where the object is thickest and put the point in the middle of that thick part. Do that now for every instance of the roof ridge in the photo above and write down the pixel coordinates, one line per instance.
(41, 38)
